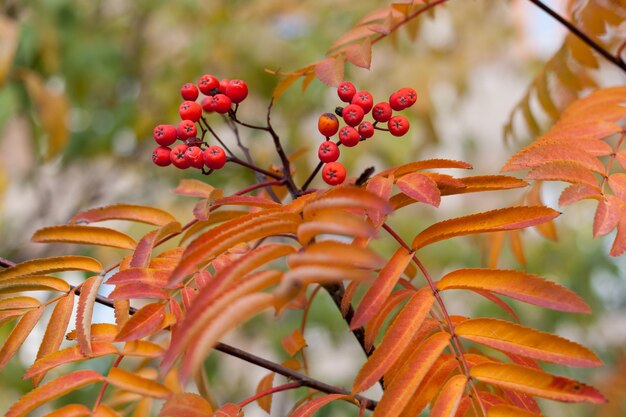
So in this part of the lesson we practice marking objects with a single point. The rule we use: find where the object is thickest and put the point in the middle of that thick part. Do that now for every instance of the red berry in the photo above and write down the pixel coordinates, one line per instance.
(186, 129)
(177, 156)
(410, 94)
(236, 90)
(206, 104)
(164, 135)
(328, 124)
(161, 156)
(363, 99)
(209, 85)
(346, 91)
(366, 130)
(398, 125)
(190, 110)
(349, 136)
(194, 156)
(189, 91)
(221, 103)
(352, 114)
(223, 85)
(333, 173)
(328, 151)
(399, 100)
(381, 112)
(214, 157)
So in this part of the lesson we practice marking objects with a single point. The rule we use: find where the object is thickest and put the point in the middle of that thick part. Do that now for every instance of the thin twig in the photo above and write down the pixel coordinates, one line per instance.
(255, 168)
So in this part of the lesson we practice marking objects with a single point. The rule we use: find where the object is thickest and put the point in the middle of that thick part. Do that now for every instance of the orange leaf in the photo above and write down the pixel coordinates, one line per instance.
(137, 290)
(87, 235)
(196, 188)
(229, 410)
(619, 244)
(55, 264)
(245, 200)
(403, 386)
(380, 186)
(510, 218)
(374, 325)
(104, 410)
(426, 164)
(360, 54)
(265, 384)
(141, 214)
(519, 285)
(450, 397)
(68, 355)
(18, 334)
(504, 410)
(396, 340)
(577, 192)
(346, 300)
(321, 274)
(53, 389)
(420, 188)
(536, 382)
(482, 183)
(346, 198)
(376, 295)
(144, 322)
(608, 213)
(617, 182)
(566, 171)
(86, 301)
(132, 382)
(100, 332)
(19, 302)
(143, 251)
(336, 223)
(33, 283)
(310, 407)
(142, 349)
(525, 341)
(70, 410)
(330, 71)
(293, 343)
(332, 252)
(186, 404)
(541, 153)
(139, 276)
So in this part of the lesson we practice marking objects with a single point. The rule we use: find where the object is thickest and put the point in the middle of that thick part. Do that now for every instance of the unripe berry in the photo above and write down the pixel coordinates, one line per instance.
(333, 173)
(328, 151)
(363, 99)
(352, 114)
(189, 91)
(366, 130)
(328, 124)
(382, 112)
(398, 125)
(161, 156)
(349, 136)
(208, 84)
(194, 157)
(177, 156)
(214, 157)
(399, 100)
(346, 91)
(164, 135)
(236, 90)
(190, 110)
(220, 103)
(186, 129)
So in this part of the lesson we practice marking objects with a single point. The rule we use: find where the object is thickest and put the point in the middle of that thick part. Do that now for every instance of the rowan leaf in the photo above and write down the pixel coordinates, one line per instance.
(19, 302)
(510, 218)
(519, 285)
(540, 153)
(335, 223)
(56, 264)
(360, 54)
(411, 167)
(265, 384)
(18, 334)
(403, 386)
(186, 404)
(395, 341)
(33, 283)
(420, 188)
(321, 274)
(566, 171)
(67, 355)
(332, 252)
(536, 382)
(608, 214)
(376, 295)
(86, 235)
(528, 342)
(505, 410)
(86, 302)
(131, 212)
(577, 192)
(143, 349)
(342, 198)
(196, 188)
(138, 290)
(143, 251)
(131, 382)
(70, 410)
(145, 321)
(481, 183)
(245, 200)
(294, 342)
(619, 244)
(100, 332)
(450, 397)
(310, 407)
(51, 390)
(330, 71)
(373, 326)
(104, 410)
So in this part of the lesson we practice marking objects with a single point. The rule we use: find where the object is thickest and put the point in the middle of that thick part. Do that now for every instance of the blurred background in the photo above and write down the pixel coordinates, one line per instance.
(82, 85)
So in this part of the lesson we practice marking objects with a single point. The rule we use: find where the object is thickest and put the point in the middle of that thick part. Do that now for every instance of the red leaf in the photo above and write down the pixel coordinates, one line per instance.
(245, 200)
(86, 301)
(265, 384)
(608, 214)
(577, 192)
(420, 188)
(617, 182)
(330, 71)
(360, 54)
(144, 322)
(137, 290)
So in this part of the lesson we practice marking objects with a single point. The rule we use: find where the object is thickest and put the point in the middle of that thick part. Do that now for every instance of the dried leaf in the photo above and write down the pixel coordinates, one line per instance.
(131, 212)
(55, 264)
(18, 334)
(145, 321)
(132, 382)
(87, 235)
(86, 302)
(450, 397)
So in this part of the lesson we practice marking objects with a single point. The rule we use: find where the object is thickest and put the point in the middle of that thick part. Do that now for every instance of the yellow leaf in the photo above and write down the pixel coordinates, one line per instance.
(87, 235)
(55, 264)
(131, 212)
(132, 382)
(19, 333)
(33, 283)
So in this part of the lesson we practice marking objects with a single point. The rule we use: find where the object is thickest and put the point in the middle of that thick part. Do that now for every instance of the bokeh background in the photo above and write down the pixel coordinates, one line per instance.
(83, 83)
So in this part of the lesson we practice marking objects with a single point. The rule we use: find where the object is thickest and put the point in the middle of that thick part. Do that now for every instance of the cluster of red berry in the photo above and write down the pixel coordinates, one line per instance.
(357, 129)
(219, 97)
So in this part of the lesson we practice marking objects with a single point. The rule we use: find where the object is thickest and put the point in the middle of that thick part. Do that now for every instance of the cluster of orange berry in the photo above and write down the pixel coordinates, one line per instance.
(357, 129)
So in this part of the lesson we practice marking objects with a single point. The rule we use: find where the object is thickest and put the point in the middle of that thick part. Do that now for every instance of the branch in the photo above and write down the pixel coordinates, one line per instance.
(573, 29)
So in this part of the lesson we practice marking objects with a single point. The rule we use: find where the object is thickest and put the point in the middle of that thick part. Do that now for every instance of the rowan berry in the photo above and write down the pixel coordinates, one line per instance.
(333, 173)
(382, 112)
(366, 130)
(223, 85)
(221, 103)
(328, 151)
(189, 91)
(206, 104)
(161, 156)
(177, 156)
(164, 135)
(208, 84)
(352, 114)
(190, 110)
(194, 156)
(363, 99)
(214, 157)
(349, 136)
(328, 124)
(410, 94)
(186, 129)
(398, 125)
(237, 91)
(346, 91)
(399, 100)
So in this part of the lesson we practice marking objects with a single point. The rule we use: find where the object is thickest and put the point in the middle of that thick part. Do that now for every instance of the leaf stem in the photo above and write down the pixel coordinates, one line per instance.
(255, 168)
(105, 384)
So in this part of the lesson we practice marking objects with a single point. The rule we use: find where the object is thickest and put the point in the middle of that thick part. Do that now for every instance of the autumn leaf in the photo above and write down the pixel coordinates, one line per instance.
(132, 382)
(145, 321)
(293, 343)
(71, 410)
(86, 302)
(186, 404)
(310, 407)
(373, 326)
(335, 223)
(33, 283)
(55, 264)
(332, 252)
(87, 235)
(196, 188)
(420, 188)
(450, 397)
(18, 334)
(142, 349)
(265, 384)
(504, 410)
(346, 198)
(330, 71)
(131, 212)
(68, 355)
(360, 54)
(608, 214)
